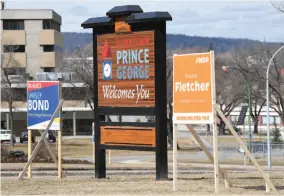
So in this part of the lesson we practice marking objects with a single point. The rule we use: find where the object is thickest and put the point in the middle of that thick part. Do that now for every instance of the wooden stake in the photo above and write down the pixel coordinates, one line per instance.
(109, 156)
(174, 156)
(269, 183)
(266, 185)
(30, 152)
(222, 173)
(59, 154)
(215, 131)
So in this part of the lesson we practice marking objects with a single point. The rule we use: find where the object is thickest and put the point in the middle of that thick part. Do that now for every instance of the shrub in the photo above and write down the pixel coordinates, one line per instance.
(276, 135)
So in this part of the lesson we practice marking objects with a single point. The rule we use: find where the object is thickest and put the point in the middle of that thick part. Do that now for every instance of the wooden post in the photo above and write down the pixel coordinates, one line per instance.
(266, 186)
(215, 131)
(227, 183)
(59, 154)
(109, 156)
(30, 143)
(268, 181)
(222, 173)
(174, 156)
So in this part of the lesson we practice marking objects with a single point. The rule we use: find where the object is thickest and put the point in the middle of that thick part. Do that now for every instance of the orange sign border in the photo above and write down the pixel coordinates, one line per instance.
(196, 117)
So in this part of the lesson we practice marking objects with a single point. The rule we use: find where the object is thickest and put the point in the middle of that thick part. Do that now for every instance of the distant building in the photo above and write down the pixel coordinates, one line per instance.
(31, 40)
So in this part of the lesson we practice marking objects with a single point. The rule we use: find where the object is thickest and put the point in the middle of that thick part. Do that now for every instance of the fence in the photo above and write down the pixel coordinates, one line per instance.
(259, 151)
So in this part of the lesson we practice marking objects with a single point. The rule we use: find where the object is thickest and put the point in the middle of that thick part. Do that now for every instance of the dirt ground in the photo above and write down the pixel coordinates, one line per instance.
(144, 184)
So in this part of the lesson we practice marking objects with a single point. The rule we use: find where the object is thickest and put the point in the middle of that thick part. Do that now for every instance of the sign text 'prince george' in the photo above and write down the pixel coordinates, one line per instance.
(126, 69)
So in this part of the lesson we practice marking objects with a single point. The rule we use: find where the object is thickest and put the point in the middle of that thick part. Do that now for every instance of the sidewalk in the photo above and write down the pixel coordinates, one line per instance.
(132, 166)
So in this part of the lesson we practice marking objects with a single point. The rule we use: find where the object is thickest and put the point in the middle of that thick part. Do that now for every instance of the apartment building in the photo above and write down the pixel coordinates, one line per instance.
(30, 40)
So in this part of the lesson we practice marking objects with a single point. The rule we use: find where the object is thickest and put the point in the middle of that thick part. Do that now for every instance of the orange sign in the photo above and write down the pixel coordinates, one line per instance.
(193, 88)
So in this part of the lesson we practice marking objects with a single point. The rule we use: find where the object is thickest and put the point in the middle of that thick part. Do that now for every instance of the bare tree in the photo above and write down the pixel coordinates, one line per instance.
(84, 72)
(230, 88)
(81, 65)
(279, 5)
(252, 63)
(10, 94)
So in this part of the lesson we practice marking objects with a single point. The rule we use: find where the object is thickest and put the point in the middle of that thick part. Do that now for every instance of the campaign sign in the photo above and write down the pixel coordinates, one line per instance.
(193, 92)
(42, 100)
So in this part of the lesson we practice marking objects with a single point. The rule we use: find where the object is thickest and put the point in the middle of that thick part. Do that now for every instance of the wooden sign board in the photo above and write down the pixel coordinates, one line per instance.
(193, 88)
(128, 136)
(126, 69)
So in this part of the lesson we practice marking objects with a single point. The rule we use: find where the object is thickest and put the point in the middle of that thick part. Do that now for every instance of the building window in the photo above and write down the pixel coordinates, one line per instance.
(277, 120)
(234, 119)
(273, 120)
(48, 69)
(15, 70)
(50, 24)
(13, 25)
(13, 48)
(48, 48)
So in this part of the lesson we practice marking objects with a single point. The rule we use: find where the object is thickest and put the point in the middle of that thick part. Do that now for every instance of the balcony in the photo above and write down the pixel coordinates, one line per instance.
(11, 60)
(47, 59)
(13, 37)
(50, 37)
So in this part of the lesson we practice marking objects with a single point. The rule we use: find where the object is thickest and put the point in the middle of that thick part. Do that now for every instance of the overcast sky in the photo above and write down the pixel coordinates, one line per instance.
(257, 20)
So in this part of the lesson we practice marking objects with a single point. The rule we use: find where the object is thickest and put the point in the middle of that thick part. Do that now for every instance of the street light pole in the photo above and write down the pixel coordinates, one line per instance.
(267, 109)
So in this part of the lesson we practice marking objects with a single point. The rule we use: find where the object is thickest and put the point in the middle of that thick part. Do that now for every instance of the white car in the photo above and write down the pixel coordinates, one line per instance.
(6, 135)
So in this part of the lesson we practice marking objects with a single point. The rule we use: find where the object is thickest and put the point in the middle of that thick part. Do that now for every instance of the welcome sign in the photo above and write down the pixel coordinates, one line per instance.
(126, 69)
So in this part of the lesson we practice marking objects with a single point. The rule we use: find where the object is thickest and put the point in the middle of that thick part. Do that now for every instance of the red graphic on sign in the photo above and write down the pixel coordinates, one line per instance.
(106, 51)
(34, 85)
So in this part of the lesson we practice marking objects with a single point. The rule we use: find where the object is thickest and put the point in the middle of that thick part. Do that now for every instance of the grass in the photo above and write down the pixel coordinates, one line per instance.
(77, 148)
(84, 148)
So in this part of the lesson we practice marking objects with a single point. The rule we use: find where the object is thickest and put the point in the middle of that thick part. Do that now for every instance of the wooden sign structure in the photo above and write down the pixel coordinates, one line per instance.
(194, 102)
(129, 49)
(193, 99)
(44, 105)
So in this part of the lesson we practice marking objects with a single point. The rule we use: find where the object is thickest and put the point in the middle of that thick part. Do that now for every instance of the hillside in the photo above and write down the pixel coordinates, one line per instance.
(72, 40)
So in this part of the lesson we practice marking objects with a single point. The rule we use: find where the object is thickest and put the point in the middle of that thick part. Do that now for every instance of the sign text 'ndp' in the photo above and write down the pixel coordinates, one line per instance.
(192, 89)
(126, 69)
(42, 100)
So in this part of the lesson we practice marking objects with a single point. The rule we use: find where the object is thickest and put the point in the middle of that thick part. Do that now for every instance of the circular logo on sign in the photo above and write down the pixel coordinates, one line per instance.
(107, 70)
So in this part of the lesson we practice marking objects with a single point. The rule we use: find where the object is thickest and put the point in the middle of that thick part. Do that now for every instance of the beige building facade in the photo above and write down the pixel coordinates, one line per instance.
(30, 39)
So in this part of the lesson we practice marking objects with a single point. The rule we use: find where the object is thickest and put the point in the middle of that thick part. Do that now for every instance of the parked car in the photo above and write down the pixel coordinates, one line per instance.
(5, 136)
(24, 137)
(51, 136)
